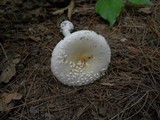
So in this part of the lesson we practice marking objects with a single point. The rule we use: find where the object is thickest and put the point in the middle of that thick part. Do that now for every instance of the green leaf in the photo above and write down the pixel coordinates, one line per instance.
(141, 2)
(110, 9)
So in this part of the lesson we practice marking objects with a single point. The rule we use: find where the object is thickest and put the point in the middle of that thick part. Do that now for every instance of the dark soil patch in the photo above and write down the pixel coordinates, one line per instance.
(132, 91)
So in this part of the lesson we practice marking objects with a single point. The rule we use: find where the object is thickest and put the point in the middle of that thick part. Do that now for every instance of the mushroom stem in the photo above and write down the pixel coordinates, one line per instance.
(66, 32)
(66, 27)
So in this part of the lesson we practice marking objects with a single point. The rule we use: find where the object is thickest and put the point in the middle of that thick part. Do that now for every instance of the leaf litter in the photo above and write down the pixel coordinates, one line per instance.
(131, 87)
(10, 70)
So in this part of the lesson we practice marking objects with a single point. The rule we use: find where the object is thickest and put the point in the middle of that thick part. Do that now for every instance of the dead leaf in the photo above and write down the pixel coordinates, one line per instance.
(6, 98)
(36, 39)
(10, 70)
(8, 73)
(12, 96)
(134, 50)
(146, 10)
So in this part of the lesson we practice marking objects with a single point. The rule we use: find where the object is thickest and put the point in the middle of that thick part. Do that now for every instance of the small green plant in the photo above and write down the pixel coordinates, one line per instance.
(111, 9)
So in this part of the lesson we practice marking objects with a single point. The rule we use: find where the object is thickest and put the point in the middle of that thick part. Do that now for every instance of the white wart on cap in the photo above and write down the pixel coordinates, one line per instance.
(80, 58)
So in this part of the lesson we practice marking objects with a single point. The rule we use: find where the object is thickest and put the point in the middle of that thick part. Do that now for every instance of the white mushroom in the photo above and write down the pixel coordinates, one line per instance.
(81, 57)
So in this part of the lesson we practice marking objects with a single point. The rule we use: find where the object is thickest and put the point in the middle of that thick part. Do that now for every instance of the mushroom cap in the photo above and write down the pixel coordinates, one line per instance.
(80, 58)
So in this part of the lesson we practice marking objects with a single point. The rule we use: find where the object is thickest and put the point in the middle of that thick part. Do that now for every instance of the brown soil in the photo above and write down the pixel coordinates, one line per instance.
(130, 90)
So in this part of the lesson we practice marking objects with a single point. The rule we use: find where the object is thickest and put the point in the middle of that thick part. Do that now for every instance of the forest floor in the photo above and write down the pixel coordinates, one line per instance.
(130, 90)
